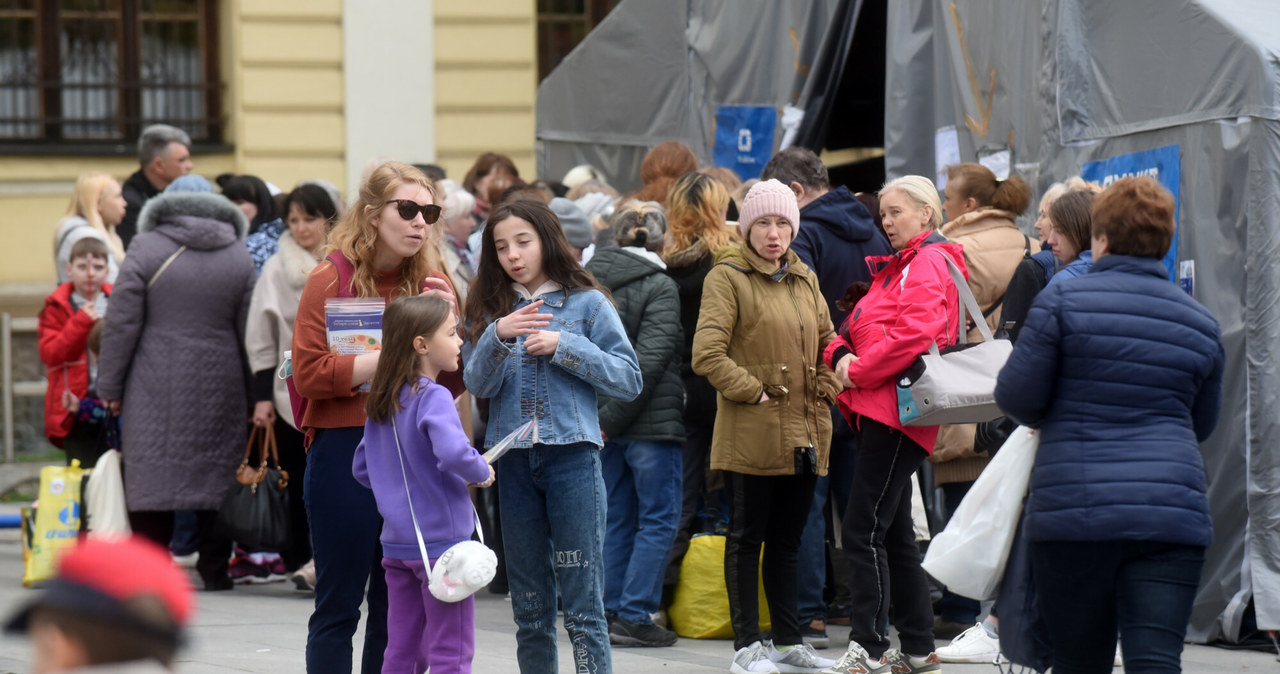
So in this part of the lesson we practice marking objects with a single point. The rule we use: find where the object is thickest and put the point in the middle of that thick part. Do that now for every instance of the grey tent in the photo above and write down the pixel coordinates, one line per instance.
(1186, 88)
(659, 70)
(1052, 87)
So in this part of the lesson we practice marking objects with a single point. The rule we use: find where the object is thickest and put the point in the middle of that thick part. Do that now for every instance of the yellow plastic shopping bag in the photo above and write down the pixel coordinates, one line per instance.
(57, 520)
(700, 606)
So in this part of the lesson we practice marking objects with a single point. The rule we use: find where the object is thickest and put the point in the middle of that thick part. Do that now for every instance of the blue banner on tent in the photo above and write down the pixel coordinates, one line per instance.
(1162, 163)
(744, 138)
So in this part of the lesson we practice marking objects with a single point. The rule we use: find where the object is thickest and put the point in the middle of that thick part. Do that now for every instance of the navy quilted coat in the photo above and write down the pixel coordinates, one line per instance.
(1122, 373)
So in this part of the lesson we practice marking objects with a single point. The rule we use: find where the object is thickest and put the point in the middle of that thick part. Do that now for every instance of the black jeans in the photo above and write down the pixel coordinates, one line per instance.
(213, 544)
(880, 544)
(769, 510)
(1090, 590)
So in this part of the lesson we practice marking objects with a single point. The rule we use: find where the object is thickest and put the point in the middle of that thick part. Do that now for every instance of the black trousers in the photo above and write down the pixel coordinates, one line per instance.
(880, 544)
(293, 459)
(214, 544)
(768, 510)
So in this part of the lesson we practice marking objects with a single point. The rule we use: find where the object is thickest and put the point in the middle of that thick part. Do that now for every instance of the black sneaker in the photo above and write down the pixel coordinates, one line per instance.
(813, 635)
(623, 633)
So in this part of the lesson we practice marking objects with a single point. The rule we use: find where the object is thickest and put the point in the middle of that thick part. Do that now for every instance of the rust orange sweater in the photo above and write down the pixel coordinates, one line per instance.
(324, 377)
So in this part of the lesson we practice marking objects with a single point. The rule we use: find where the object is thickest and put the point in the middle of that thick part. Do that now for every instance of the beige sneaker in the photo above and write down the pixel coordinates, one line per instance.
(305, 577)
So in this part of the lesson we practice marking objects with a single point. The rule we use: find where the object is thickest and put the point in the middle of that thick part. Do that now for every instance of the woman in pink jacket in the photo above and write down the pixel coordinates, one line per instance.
(911, 304)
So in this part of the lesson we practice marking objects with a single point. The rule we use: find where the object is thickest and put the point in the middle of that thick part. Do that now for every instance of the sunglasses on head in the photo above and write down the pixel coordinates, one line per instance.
(408, 208)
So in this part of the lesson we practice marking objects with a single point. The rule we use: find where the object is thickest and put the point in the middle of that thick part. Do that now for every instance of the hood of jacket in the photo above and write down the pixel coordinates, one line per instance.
(687, 256)
(839, 213)
(745, 260)
(616, 267)
(904, 257)
(197, 220)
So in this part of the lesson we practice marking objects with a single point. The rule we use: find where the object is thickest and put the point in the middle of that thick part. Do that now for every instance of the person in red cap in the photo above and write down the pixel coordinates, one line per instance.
(115, 605)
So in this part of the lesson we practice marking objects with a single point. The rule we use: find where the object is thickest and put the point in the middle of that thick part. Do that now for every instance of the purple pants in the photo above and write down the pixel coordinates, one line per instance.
(422, 631)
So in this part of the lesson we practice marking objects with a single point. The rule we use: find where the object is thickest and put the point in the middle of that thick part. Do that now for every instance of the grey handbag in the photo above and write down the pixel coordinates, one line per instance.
(956, 385)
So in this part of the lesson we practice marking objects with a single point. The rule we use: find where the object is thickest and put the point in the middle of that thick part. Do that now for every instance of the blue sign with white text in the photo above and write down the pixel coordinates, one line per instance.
(744, 138)
(1162, 163)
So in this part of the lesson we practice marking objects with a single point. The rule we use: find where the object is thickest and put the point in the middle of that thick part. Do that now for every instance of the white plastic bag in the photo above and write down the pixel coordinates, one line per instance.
(969, 555)
(104, 503)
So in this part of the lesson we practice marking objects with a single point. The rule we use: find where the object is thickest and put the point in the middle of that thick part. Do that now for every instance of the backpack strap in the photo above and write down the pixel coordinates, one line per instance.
(346, 271)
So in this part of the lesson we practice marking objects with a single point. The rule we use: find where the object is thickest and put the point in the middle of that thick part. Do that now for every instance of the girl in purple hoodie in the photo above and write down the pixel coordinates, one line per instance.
(420, 340)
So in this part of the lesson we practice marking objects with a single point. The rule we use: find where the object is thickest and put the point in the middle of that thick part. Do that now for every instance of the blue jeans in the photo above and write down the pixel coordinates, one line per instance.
(1090, 590)
(345, 526)
(553, 514)
(643, 481)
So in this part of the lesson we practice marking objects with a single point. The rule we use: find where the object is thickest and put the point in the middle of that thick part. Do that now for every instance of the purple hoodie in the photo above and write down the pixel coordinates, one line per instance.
(439, 462)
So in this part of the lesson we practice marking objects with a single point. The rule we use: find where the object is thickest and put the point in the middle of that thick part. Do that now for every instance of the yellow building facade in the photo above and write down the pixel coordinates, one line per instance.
(315, 89)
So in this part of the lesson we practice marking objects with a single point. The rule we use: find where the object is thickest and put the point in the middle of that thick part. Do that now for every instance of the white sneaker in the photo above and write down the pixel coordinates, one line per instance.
(751, 659)
(855, 661)
(972, 646)
(799, 659)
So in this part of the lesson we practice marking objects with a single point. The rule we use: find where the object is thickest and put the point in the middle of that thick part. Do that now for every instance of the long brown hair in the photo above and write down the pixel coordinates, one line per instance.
(490, 296)
(404, 320)
(695, 211)
(357, 238)
(1071, 218)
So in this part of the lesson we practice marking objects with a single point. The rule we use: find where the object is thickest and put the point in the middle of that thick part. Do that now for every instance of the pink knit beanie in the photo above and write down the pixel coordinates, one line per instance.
(769, 197)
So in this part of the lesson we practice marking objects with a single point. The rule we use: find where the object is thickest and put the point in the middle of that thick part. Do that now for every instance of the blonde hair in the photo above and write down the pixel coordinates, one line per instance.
(357, 238)
(695, 211)
(920, 191)
(84, 202)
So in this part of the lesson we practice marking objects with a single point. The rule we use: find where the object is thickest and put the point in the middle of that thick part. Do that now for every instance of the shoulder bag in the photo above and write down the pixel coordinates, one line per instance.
(955, 385)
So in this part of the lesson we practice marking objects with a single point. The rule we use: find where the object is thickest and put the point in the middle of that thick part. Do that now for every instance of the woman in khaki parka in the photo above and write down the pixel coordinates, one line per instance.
(759, 341)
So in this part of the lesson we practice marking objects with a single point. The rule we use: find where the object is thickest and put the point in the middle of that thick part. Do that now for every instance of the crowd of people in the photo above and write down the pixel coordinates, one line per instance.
(702, 356)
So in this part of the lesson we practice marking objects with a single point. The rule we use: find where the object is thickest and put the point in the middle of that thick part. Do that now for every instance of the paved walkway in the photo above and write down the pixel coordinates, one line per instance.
(263, 628)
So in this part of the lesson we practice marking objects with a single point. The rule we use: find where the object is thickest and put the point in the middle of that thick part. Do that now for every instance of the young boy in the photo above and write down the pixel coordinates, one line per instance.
(117, 606)
(69, 314)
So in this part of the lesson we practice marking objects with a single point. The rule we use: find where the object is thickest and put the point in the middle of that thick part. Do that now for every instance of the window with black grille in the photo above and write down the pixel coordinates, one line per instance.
(98, 71)
(562, 24)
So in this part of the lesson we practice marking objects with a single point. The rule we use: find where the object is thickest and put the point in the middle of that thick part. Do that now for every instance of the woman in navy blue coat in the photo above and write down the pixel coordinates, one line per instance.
(1122, 373)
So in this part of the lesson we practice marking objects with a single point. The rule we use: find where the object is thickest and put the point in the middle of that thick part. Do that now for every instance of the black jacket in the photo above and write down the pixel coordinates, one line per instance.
(137, 190)
(837, 234)
(689, 268)
(649, 305)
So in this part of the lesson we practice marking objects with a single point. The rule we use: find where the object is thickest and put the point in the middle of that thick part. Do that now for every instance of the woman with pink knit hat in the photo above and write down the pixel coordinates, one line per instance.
(760, 337)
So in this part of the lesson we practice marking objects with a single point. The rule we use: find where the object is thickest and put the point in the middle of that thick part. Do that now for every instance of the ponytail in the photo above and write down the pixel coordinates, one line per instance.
(1013, 195)
(979, 183)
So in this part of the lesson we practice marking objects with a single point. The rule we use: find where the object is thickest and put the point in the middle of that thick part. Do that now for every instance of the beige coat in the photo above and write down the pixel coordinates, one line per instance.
(993, 248)
(756, 334)
(272, 312)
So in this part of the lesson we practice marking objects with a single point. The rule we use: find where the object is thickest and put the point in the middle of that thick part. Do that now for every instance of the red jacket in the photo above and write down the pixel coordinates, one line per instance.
(64, 347)
(912, 303)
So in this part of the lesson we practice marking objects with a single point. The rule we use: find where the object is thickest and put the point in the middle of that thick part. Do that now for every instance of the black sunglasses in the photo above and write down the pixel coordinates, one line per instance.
(408, 208)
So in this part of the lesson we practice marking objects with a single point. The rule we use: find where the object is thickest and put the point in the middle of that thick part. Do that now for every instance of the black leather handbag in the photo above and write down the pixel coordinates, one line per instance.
(255, 511)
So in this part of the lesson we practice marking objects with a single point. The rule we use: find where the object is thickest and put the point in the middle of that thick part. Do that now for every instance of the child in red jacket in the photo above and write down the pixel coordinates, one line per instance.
(69, 314)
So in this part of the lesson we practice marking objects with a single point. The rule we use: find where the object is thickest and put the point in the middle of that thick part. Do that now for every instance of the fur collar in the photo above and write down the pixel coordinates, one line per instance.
(165, 208)
(296, 261)
(688, 256)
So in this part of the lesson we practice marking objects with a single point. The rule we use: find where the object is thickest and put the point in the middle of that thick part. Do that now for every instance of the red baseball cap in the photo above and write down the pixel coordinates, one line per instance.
(98, 576)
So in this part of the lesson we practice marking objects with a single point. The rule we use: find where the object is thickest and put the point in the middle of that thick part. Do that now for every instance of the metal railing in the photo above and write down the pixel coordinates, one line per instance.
(8, 387)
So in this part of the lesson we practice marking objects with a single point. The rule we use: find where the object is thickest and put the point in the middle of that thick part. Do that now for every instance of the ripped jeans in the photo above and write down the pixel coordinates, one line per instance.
(553, 510)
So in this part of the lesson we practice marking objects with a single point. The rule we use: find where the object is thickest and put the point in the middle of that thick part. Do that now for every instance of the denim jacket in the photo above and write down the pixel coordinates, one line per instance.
(559, 391)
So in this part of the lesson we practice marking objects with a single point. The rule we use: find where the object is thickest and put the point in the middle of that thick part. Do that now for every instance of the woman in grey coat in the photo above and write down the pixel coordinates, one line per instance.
(172, 365)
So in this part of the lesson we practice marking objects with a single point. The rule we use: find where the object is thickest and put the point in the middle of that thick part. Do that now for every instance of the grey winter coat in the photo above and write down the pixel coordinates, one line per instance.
(173, 352)
(649, 305)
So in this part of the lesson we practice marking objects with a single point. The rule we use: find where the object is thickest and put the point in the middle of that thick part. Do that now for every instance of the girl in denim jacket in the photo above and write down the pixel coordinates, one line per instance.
(545, 340)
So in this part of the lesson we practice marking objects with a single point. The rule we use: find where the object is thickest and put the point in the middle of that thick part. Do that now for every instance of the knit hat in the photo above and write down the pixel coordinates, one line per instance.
(576, 227)
(769, 197)
(190, 183)
(99, 576)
